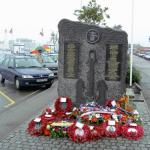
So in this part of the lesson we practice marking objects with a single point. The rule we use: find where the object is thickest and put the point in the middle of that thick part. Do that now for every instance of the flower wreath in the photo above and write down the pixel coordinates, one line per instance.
(47, 110)
(97, 132)
(132, 132)
(112, 131)
(58, 108)
(47, 118)
(33, 130)
(77, 134)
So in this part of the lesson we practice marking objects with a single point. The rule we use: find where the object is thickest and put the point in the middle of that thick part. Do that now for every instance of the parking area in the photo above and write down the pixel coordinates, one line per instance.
(9, 96)
(5, 101)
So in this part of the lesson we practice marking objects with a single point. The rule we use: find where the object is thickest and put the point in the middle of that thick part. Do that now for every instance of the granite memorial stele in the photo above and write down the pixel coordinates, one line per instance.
(92, 62)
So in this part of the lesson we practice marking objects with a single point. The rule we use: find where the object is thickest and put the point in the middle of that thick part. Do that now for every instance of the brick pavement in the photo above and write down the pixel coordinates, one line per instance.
(20, 140)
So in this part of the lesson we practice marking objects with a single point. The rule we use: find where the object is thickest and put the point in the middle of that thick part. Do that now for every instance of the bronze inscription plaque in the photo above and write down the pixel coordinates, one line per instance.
(113, 62)
(71, 60)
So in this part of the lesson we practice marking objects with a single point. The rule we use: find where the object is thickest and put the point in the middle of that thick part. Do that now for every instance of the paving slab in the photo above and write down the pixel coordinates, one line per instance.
(19, 139)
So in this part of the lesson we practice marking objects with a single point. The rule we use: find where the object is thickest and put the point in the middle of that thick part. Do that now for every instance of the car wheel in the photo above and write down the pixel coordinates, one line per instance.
(2, 80)
(48, 86)
(17, 84)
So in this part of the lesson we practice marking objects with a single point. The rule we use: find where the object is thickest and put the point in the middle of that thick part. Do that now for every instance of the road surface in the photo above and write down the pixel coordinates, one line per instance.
(9, 96)
(144, 67)
(18, 106)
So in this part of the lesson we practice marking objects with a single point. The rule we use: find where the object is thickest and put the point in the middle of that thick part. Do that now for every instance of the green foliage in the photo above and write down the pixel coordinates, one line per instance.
(117, 27)
(136, 76)
(92, 13)
(57, 132)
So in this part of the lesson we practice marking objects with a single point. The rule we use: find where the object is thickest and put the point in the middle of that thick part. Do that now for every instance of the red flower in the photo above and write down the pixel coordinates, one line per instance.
(112, 131)
(58, 107)
(46, 119)
(106, 116)
(97, 132)
(48, 110)
(34, 130)
(94, 119)
(77, 134)
(47, 132)
(132, 132)
(108, 103)
(124, 119)
(85, 118)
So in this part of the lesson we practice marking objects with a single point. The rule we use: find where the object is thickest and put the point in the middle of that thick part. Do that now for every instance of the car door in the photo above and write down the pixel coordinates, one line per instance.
(11, 70)
(4, 68)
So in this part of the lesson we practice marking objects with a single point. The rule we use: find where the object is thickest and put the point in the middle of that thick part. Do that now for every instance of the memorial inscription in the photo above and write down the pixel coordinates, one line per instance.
(71, 60)
(113, 59)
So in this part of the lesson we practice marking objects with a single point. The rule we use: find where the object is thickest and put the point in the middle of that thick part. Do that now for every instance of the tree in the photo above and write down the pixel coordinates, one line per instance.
(92, 13)
(117, 27)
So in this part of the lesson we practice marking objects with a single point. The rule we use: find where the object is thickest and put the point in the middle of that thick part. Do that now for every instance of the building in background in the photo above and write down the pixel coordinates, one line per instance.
(143, 50)
(1, 45)
(22, 45)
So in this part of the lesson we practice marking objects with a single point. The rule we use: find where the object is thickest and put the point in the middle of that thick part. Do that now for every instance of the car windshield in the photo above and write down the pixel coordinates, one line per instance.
(26, 63)
(2, 57)
(147, 53)
(47, 59)
(54, 57)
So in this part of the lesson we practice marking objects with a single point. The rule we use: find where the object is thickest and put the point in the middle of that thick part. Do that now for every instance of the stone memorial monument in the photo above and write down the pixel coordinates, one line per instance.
(92, 62)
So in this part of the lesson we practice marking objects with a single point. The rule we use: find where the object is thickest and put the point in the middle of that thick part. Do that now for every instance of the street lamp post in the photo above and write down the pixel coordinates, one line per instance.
(131, 52)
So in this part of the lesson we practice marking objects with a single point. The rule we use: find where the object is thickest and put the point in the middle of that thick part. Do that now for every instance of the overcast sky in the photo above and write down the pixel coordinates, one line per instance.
(28, 17)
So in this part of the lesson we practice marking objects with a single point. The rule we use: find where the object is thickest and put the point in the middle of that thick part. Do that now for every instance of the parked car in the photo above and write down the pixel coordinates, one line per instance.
(49, 62)
(141, 54)
(146, 56)
(25, 71)
(3, 54)
(2, 57)
(54, 56)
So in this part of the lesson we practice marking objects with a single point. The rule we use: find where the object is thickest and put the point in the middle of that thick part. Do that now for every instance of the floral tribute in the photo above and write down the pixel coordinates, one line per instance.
(61, 100)
(90, 121)
(132, 131)
(79, 132)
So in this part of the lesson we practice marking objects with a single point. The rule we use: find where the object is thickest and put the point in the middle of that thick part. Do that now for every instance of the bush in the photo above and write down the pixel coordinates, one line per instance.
(136, 76)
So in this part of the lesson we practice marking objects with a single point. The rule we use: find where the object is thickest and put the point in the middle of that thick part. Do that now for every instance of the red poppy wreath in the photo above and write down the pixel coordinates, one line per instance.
(112, 130)
(79, 132)
(132, 131)
(96, 132)
(58, 106)
(35, 127)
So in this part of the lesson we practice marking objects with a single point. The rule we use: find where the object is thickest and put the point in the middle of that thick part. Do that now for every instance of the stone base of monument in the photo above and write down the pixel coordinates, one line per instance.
(130, 93)
(135, 96)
